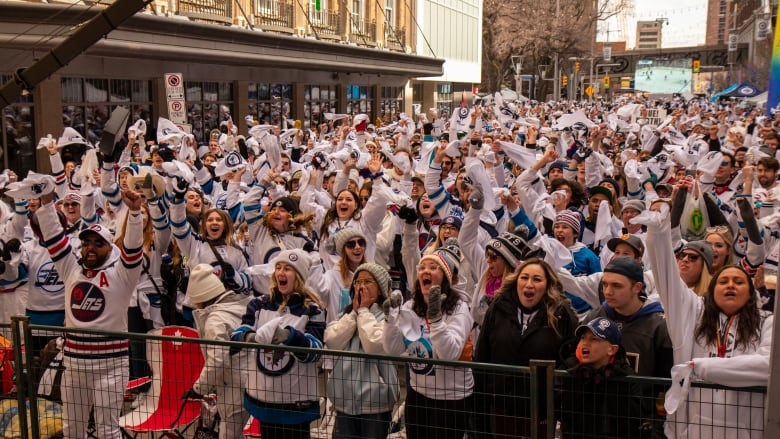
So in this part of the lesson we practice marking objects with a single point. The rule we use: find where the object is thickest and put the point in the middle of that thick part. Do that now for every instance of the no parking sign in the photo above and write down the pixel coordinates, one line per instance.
(174, 92)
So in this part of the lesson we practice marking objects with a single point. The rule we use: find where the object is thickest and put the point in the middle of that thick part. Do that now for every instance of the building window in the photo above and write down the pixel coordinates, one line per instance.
(318, 16)
(390, 12)
(18, 137)
(360, 99)
(391, 104)
(270, 103)
(87, 104)
(208, 105)
(318, 100)
(444, 98)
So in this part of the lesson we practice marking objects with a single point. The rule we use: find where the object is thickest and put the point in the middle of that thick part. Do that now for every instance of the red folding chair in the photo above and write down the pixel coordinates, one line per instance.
(176, 366)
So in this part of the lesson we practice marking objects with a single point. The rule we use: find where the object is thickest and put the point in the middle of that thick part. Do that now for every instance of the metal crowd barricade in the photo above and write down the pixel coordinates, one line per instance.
(506, 401)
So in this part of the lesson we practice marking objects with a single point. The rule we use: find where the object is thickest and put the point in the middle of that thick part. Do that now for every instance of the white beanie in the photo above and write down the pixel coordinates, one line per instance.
(204, 285)
(297, 259)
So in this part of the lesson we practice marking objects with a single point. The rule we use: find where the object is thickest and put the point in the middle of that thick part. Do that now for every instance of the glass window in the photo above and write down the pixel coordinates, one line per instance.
(18, 137)
(88, 103)
(444, 98)
(391, 104)
(208, 105)
(360, 100)
(318, 100)
(270, 103)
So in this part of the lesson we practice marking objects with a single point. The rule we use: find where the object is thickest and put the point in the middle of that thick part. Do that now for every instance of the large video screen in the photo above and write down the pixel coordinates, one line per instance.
(663, 76)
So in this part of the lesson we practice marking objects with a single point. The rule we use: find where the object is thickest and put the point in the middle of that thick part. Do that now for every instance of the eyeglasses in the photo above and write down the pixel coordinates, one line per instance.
(693, 257)
(365, 282)
(355, 242)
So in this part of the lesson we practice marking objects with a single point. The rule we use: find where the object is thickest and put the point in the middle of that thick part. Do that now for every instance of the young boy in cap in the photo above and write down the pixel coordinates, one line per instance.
(644, 335)
(595, 404)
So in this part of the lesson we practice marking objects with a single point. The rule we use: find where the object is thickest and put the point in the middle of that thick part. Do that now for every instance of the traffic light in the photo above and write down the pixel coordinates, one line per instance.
(696, 66)
(576, 67)
(606, 82)
(564, 80)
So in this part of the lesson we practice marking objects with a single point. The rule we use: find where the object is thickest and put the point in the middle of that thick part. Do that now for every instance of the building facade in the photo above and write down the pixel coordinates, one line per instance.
(649, 34)
(274, 60)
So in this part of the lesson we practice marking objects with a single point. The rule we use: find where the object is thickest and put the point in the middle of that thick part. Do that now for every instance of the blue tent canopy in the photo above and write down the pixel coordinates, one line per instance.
(729, 89)
(744, 90)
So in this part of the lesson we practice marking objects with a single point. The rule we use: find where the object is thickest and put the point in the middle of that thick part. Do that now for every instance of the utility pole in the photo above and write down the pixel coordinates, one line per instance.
(557, 75)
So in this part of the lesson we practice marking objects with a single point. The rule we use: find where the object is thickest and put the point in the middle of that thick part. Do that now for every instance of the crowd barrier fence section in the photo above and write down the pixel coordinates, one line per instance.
(327, 393)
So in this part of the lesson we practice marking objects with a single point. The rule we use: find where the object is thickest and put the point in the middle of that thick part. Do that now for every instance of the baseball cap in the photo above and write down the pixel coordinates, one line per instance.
(628, 267)
(632, 240)
(602, 328)
(97, 229)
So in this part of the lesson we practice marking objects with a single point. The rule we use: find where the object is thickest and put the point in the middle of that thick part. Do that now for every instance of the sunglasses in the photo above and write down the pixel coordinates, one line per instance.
(718, 229)
(70, 205)
(693, 257)
(355, 242)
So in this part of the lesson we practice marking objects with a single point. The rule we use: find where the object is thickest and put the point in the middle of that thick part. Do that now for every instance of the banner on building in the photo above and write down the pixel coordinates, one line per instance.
(762, 28)
(773, 100)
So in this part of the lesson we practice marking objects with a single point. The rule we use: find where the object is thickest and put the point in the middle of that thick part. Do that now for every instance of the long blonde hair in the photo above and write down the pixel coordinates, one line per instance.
(701, 287)
(148, 231)
(309, 296)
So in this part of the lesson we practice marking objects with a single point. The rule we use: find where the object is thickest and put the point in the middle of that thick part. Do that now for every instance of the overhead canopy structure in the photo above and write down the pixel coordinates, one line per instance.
(743, 90)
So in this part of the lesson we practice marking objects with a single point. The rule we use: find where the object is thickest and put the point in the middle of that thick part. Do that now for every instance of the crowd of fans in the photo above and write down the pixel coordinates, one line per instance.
(589, 233)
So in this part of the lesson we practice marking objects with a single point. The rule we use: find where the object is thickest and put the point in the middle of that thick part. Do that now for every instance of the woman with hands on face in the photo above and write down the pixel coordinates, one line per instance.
(363, 391)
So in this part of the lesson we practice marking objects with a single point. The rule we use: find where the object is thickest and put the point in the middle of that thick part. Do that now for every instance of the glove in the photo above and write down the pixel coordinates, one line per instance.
(191, 394)
(394, 301)
(477, 198)
(198, 163)
(319, 161)
(281, 335)
(582, 153)
(751, 226)
(242, 148)
(147, 187)
(435, 300)
(408, 214)
(308, 246)
(240, 334)
(180, 187)
(12, 246)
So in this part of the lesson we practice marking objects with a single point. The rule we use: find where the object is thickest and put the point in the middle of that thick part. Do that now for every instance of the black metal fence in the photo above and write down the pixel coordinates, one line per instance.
(249, 390)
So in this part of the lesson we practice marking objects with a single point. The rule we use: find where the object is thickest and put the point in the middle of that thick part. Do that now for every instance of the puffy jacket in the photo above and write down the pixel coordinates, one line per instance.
(359, 386)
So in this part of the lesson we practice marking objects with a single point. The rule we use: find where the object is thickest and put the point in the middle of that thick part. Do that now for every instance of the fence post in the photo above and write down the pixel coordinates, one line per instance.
(23, 361)
(542, 407)
(771, 417)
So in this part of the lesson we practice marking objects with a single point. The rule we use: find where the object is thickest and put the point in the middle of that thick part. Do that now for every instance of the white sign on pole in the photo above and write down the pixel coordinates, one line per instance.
(762, 29)
(177, 111)
(607, 52)
(174, 86)
(733, 42)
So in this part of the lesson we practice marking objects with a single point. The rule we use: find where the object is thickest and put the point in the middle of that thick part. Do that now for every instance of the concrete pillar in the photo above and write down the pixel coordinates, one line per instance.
(47, 108)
